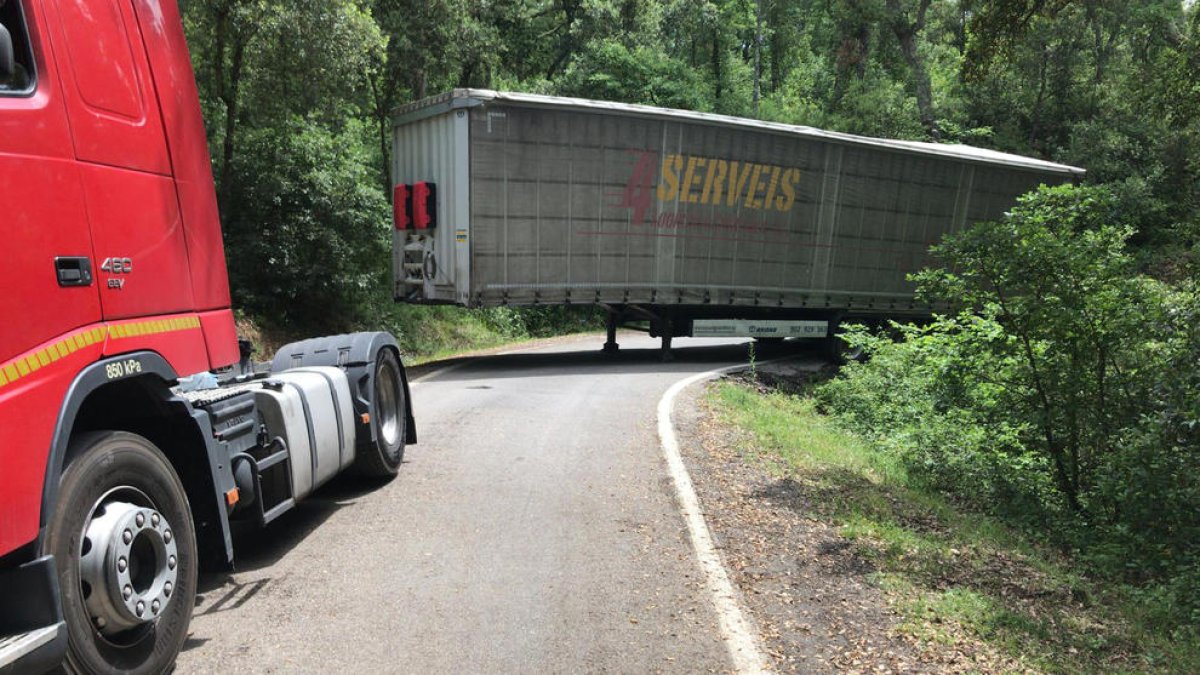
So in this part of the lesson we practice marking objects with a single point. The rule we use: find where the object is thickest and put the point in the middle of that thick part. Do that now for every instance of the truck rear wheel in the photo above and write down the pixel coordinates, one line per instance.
(125, 547)
(382, 458)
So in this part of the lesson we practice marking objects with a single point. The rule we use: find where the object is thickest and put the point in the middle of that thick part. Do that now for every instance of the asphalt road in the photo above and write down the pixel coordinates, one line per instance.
(533, 529)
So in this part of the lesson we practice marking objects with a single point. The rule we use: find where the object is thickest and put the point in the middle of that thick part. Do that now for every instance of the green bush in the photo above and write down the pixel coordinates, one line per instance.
(932, 400)
(1063, 392)
(308, 246)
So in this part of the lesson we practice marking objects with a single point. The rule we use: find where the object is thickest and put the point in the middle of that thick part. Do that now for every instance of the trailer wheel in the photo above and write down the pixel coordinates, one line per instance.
(125, 547)
(382, 458)
(837, 351)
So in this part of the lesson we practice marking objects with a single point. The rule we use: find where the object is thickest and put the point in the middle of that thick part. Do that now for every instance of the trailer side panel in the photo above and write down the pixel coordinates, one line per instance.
(598, 203)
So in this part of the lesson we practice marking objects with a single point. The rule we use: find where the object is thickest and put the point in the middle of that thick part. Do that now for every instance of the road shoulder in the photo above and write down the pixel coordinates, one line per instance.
(807, 591)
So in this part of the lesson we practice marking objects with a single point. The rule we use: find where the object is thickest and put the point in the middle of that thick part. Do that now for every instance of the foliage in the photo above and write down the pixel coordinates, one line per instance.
(1104, 84)
(611, 71)
(1062, 387)
(1062, 393)
(960, 582)
(307, 229)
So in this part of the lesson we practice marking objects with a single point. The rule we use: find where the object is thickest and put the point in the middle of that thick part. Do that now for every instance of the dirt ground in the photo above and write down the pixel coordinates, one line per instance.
(810, 595)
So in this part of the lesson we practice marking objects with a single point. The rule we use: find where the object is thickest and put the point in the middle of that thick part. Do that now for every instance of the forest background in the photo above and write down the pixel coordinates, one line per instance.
(297, 96)
(1064, 394)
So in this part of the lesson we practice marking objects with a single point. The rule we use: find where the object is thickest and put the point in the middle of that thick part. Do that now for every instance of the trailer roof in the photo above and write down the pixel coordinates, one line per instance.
(466, 98)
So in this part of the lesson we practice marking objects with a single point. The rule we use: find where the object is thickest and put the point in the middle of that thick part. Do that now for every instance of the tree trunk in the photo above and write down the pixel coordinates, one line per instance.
(758, 41)
(230, 99)
(567, 45)
(716, 61)
(907, 32)
(383, 97)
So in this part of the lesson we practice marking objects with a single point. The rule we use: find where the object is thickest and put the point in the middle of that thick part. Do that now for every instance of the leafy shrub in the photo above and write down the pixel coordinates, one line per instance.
(932, 400)
(1064, 392)
(308, 247)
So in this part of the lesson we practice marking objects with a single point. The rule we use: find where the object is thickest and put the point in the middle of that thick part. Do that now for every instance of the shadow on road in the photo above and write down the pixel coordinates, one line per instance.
(590, 361)
(222, 591)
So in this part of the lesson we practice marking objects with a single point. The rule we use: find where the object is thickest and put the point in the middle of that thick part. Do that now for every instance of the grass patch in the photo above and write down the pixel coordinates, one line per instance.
(431, 332)
(956, 578)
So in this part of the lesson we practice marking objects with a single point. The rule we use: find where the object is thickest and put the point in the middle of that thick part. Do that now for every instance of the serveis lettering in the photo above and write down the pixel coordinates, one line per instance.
(718, 182)
(691, 179)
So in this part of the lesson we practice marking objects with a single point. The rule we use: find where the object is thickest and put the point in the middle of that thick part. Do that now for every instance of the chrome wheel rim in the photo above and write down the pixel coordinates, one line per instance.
(128, 563)
(387, 397)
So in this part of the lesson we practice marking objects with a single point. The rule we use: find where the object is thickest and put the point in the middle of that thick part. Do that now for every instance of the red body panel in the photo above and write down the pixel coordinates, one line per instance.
(171, 66)
(29, 409)
(34, 384)
(89, 169)
(220, 334)
(135, 217)
(41, 199)
(106, 80)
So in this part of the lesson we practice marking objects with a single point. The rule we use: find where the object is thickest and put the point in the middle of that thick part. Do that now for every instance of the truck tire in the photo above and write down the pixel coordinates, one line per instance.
(125, 547)
(383, 456)
(837, 351)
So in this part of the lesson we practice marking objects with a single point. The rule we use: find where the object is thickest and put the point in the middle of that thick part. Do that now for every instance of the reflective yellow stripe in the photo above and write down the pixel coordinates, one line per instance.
(24, 365)
(154, 327)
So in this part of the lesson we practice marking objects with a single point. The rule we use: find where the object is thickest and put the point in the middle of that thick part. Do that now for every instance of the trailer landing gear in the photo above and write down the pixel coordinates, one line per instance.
(659, 326)
(611, 346)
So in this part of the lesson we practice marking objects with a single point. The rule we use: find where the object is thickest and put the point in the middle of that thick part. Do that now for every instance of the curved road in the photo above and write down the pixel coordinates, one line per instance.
(533, 529)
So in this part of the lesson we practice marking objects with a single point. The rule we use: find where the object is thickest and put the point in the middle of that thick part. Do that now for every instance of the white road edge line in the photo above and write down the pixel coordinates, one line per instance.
(439, 371)
(741, 638)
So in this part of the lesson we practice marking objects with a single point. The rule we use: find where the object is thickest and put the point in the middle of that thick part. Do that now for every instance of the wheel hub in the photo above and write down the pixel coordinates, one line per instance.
(388, 407)
(128, 565)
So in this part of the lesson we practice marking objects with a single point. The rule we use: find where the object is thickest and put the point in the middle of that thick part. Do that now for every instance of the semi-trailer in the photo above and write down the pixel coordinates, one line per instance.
(694, 223)
(116, 481)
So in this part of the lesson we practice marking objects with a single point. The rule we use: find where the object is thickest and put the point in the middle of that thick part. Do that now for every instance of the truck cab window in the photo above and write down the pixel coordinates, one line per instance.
(20, 79)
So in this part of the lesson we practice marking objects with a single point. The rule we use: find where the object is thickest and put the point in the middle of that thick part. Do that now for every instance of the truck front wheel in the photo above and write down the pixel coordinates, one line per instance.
(125, 546)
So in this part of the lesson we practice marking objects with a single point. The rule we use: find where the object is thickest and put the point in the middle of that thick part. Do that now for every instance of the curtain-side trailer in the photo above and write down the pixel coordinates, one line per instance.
(699, 224)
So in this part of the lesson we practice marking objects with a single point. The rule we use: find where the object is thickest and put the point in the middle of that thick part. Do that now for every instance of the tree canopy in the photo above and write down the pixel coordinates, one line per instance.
(1063, 387)
(1105, 84)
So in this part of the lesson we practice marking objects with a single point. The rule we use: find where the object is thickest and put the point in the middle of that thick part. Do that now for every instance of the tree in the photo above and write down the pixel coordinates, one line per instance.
(907, 23)
(1055, 274)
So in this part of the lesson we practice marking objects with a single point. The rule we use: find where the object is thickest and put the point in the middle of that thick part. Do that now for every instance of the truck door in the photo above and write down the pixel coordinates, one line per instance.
(44, 227)
(141, 256)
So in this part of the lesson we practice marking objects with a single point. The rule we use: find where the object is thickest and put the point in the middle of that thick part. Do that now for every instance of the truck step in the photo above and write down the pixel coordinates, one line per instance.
(271, 460)
(278, 510)
(17, 646)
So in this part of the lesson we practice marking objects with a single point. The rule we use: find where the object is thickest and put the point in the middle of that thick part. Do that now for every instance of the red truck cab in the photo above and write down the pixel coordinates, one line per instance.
(115, 286)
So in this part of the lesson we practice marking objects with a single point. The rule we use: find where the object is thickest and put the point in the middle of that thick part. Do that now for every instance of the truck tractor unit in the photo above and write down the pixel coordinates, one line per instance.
(124, 462)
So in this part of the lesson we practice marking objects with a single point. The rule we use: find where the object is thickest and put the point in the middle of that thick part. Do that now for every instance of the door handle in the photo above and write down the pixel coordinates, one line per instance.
(73, 271)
